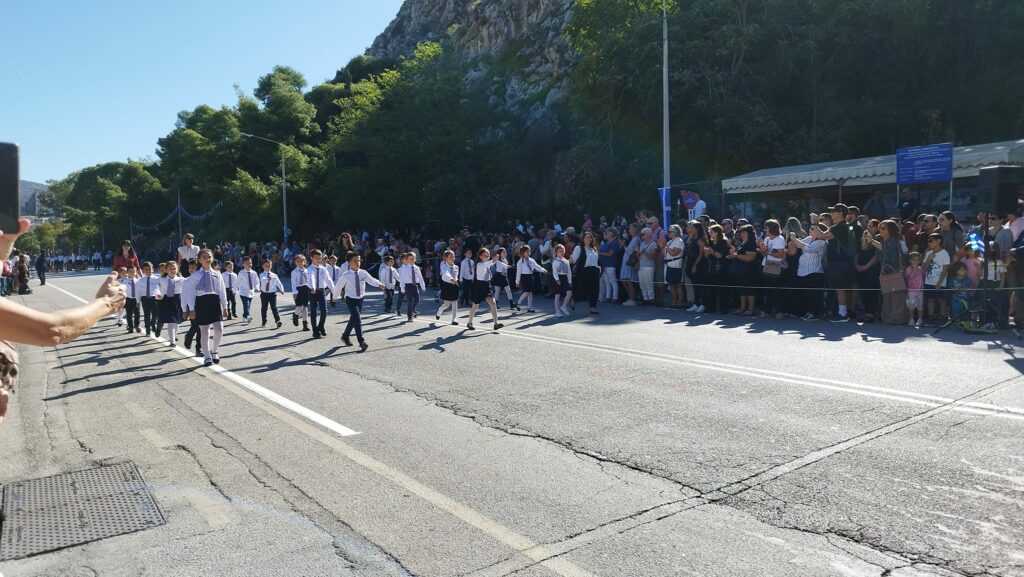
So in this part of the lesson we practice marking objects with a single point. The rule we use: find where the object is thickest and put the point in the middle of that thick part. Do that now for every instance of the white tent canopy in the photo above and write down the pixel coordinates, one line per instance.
(879, 170)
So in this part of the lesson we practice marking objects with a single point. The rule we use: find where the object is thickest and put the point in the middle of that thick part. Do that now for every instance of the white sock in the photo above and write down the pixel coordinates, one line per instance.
(172, 332)
(842, 310)
(455, 309)
(218, 334)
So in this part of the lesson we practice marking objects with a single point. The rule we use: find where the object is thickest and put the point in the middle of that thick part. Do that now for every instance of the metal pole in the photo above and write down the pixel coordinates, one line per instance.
(951, 199)
(284, 200)
(667, 162)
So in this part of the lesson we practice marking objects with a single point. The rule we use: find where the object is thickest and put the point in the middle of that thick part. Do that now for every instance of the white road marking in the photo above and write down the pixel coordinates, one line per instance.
(931, 401)
(212, 510)
(155, 438)
(271, 396)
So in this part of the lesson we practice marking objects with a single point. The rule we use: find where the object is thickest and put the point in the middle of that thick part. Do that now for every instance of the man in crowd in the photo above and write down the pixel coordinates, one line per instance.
(843, 239)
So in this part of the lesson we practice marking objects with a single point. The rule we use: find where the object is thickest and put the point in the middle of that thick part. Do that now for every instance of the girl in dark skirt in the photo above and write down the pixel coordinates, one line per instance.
(500, 279)
(169, 297)
(449, 286)
(483, 271)
(561, 279)
(525, 269)
(206, 300)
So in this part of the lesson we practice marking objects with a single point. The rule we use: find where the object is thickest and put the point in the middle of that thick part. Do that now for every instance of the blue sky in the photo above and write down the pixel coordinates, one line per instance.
(83, 83)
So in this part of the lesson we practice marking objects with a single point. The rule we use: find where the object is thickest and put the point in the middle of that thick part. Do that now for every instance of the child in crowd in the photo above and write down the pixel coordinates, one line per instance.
(169, 296)
(131, 303)
(449, 286)
(971, 255)
(914, 277)
(936, 260)
(960, 290)
(525, 269)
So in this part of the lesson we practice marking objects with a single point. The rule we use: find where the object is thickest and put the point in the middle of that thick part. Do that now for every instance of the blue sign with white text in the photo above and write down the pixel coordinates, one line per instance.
(922, 164)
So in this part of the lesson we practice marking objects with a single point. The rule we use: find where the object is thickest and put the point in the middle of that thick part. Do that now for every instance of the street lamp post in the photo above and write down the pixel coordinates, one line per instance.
(284, 185)
(666, 160)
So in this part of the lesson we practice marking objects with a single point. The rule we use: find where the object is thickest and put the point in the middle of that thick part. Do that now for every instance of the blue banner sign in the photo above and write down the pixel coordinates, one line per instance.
(922, 164)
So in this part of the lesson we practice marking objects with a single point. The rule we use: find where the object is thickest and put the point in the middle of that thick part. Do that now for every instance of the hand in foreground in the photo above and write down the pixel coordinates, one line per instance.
(112, 291)
(7, 239)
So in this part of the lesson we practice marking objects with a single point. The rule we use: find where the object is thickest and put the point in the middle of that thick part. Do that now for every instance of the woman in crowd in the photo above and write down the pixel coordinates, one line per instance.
(675, 258)
(716, 252)
(648, 260)
(810, 273)
(696, 265)
(868, 268)
(609, 250)
(589, 271)
(773, 249)
(743, 269)
(952, 234)
(126, 257)
(894, 310)
(630, 260)
(791, 298)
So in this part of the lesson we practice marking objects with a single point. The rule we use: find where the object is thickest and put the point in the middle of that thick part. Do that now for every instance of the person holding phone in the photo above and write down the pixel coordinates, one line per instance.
(30, 327)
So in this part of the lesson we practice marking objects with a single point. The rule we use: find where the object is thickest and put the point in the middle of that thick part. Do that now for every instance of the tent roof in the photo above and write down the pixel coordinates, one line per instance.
(878, 170)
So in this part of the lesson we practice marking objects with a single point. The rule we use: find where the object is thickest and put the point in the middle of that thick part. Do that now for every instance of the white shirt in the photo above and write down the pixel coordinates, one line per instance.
(191, 291)
(170, 287)
(248, 283)
(677, 260)
(500, 267)
(773, 244)
(319, 278)
(592, 257)
(129, 287)
(560, 268)
(270, 283)
(575, 256)
(811, 257)
(230, 281)
(410, 274)
(299, 278)
(387, 275)
(187, 253)
(466, 269)
(148, 286)
(484, 271)
(699, 209)
(449, 273)
(527, 266)
(934, 272)
(354, 282)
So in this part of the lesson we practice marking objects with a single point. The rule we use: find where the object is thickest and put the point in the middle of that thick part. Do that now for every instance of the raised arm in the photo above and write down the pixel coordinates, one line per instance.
(24, 325)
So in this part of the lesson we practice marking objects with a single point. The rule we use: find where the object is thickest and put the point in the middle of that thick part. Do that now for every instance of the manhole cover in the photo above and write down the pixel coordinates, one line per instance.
(52, 513)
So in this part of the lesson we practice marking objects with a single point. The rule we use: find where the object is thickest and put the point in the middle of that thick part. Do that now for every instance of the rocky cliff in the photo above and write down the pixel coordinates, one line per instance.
(515, 49)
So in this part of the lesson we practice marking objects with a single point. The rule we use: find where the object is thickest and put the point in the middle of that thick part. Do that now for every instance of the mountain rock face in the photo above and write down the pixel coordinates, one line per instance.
(515, 49)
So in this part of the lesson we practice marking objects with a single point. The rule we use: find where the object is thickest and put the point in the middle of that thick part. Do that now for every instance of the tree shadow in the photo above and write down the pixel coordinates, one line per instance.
(124, 383)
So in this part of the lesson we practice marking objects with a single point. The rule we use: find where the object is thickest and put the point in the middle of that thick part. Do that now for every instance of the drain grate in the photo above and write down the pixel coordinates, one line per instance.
(42, 515)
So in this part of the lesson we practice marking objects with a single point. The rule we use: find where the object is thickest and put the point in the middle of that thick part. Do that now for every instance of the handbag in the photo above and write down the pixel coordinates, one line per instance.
(772, 268)
(894, 281)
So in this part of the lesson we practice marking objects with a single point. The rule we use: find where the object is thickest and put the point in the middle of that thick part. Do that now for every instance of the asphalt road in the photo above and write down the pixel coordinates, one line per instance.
(636, 442)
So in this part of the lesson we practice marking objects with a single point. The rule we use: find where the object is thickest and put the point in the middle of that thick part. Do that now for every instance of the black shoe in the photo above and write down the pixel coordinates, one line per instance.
(470, 327)
(840, 319)
(455, 323)
(147, 333)
(316, 335)
(199, 352)
(323, 333)
(305, 326)
(138, 330)
(295, 320)
(264, 325)
(207, 362)
(498, 326)
(216, 359)
(279, 324)
(188, 341)
(437, 316)
(363, 346)
(130, 331)
(346, 340)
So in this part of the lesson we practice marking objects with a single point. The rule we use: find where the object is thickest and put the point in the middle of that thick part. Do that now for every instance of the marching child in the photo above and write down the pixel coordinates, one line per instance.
(131, 304)
(319, 286)
(192, 334)
(481, 291)
(410, 280)
(387, 275)
(231, 287)
(466, 277)
(561, 274)
(270, 286)
(525, 269)
(122, 279)
(914, 277)
(300, 292)
(449, 286)
(335, 272)
(206, 301)
(148, 287)
(353, 282)
(500, 279)
(169, 295)
(248, 284)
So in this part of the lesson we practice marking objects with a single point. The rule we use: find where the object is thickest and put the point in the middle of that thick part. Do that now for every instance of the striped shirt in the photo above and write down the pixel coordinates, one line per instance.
(812, 256)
